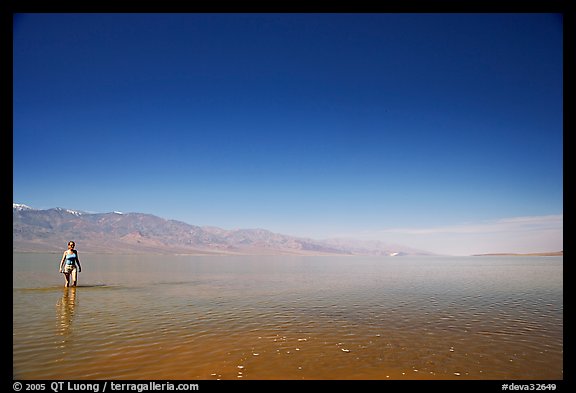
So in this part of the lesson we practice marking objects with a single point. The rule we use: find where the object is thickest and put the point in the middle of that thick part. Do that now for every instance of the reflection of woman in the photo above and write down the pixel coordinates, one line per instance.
(70, 264)
(66, 310)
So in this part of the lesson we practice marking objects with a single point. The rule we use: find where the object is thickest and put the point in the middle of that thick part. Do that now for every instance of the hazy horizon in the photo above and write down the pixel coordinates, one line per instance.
(543, 229)
(441, 132)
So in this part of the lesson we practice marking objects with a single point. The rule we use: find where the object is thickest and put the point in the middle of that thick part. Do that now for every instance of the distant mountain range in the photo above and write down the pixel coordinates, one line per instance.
(515, 254)
(49, 231)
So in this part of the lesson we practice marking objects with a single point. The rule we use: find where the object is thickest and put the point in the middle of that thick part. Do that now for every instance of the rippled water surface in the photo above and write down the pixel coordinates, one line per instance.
(191, 317)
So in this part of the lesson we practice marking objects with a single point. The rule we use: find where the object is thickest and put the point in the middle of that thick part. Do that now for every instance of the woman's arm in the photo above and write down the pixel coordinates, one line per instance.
(62, 261)
(78, 262)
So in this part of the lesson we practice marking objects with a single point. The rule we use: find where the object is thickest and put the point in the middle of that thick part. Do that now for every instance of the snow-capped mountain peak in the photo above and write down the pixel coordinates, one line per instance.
(20, 206)
(73, 212)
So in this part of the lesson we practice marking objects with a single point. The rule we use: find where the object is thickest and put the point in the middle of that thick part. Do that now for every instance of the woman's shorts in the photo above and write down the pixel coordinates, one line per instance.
(69, 269)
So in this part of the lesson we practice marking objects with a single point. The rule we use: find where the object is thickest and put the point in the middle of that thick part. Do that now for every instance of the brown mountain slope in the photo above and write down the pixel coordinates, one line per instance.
(49, 231)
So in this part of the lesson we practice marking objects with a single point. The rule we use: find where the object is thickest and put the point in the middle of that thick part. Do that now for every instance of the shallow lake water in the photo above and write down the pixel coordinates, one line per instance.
(287, 317)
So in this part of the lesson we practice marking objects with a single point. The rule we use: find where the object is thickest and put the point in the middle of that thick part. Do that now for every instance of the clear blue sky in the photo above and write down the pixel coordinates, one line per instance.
(413, 128)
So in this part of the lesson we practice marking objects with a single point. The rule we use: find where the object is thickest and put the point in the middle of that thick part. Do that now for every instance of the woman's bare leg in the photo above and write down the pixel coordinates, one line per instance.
(74, 277)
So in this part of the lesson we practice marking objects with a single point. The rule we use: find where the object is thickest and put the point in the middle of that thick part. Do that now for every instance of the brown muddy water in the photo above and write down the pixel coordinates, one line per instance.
(192, 317)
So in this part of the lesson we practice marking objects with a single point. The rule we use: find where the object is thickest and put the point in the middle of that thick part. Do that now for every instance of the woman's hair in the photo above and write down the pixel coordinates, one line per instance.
(71, 242)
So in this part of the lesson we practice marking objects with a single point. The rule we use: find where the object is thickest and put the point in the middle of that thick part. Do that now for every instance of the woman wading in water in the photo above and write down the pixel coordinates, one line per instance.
(70, 264)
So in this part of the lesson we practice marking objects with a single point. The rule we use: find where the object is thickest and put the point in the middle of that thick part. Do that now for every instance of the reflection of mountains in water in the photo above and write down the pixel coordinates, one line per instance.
(49, 230)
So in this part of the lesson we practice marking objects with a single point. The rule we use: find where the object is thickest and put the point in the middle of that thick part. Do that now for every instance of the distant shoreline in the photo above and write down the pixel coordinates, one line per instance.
(532, 254)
